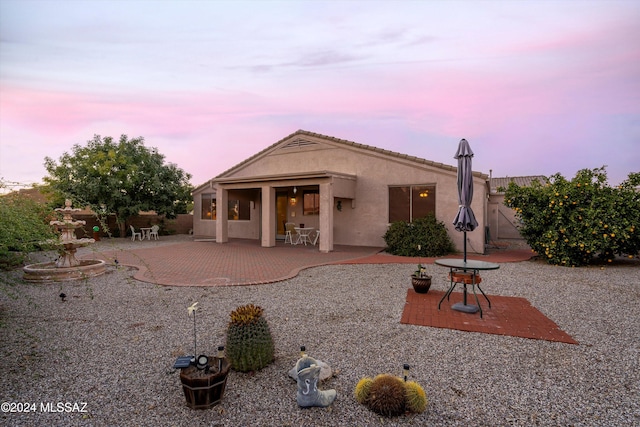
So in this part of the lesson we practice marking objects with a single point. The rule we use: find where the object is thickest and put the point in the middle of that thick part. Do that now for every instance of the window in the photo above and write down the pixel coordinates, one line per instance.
(407, 203)
(208, 206)
(311, 202)
(237, 209)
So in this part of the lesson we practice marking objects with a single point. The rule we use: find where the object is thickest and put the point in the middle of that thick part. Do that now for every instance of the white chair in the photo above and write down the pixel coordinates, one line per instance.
(134, 234)
(154, 232)
(315, 239)
(290, 233)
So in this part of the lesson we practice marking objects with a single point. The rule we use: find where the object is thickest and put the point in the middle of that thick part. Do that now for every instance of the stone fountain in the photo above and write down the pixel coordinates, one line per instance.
(66, 267)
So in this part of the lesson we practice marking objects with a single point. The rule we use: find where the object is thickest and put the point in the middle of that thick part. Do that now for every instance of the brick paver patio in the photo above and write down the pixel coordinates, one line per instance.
(244, 262)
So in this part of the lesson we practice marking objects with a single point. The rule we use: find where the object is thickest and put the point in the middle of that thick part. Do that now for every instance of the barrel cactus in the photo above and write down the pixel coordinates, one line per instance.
(416, 397)
(249, 342)
(390, 395)
(362, 390)
(387, 395)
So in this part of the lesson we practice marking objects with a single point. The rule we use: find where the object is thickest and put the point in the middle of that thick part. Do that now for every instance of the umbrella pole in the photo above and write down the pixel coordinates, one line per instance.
(465, 246)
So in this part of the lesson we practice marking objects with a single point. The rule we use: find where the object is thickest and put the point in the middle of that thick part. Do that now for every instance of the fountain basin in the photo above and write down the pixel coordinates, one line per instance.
(48, 272)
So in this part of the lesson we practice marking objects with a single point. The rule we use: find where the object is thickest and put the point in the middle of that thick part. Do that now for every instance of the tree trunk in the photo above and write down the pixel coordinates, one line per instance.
(122, 226)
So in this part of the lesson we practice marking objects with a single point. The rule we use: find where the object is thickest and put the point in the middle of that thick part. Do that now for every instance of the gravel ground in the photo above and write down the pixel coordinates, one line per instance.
(112, 345)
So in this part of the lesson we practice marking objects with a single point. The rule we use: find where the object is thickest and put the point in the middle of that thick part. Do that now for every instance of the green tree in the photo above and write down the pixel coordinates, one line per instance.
(120, 178)
(24, 228)
(573, 222)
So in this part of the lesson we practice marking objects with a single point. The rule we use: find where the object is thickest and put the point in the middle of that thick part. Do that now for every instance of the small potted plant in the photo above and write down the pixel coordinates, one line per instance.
(420, 280)
(203, 379)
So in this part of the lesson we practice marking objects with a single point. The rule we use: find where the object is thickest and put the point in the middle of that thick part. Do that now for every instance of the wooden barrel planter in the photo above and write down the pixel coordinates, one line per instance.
(421, 284)
(203, 389)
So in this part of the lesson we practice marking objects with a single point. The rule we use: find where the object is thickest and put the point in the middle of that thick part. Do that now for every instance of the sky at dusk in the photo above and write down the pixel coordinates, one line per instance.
(536, 87)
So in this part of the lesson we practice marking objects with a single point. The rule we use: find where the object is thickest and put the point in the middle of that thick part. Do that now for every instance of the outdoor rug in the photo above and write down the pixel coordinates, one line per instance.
(511, 316)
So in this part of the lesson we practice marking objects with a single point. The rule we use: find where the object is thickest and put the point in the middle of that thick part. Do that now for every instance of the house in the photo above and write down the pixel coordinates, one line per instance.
(500, 218)
(350, 192)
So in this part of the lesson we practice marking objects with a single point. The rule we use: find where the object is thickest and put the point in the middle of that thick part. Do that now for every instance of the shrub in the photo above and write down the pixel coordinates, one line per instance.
(425, 237)
(24, 228)
(571, 223)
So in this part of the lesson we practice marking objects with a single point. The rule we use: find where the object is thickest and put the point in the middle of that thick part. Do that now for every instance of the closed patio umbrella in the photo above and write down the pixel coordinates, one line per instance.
(465, 220)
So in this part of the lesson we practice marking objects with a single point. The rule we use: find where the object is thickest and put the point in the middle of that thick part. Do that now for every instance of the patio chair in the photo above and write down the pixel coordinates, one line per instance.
(134, 234)
(291, 233)
(154, 232)
(315, 239)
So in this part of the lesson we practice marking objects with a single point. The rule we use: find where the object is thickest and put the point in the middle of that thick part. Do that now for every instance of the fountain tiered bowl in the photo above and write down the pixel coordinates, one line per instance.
(66, 267)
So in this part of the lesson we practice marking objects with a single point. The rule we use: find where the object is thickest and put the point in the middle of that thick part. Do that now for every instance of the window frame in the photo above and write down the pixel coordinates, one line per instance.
(242, 207)
(314, 209)
(410, 204)
(211, 197)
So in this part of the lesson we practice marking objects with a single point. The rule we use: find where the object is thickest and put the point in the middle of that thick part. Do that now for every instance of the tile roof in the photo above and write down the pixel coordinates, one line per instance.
(303, 133)
(522, 181)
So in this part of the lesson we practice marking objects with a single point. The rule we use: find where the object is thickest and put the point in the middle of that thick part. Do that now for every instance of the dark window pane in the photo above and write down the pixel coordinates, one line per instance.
(244, 210)
(208, 207)
(239, 205)
(311, 203)
(399, 204)
(423, 201)
(234, 207)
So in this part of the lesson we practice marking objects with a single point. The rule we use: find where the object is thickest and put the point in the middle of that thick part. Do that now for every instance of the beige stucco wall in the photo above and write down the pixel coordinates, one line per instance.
(363, 220)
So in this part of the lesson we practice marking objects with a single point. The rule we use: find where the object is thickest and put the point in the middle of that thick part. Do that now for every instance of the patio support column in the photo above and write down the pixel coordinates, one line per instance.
(326, 217)
(222, 219)
(268, 213)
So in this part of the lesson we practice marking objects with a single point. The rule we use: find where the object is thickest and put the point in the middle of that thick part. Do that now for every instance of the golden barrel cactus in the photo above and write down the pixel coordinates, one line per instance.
(249, 345)
(387, 395)
(416, 398)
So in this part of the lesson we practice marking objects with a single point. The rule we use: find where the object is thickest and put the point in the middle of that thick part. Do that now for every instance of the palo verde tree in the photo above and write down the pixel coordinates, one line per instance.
(120, 178)
(571, 223)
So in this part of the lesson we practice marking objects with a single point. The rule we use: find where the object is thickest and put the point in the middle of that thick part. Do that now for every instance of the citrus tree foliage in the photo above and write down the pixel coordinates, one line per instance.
(426, 237)
(121, 178)
(24, 228)
(573, 222)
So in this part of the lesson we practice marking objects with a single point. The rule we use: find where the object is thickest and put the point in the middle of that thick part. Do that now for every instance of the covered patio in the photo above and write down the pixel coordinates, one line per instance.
(275, 197)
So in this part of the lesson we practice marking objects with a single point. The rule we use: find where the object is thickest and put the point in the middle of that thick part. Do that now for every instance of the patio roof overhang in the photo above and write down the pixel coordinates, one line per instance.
(344, 185)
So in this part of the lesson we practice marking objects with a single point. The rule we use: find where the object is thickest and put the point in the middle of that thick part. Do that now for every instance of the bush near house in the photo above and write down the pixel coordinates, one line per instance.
(425, 237)
(574, 222)
(24, 228)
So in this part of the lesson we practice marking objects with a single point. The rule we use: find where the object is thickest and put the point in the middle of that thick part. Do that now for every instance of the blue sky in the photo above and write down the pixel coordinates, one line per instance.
(536, 87)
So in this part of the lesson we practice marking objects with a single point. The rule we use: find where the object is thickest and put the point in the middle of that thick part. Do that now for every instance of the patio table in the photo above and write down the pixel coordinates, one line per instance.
(146, 232)
(303, 234)
(473, 266)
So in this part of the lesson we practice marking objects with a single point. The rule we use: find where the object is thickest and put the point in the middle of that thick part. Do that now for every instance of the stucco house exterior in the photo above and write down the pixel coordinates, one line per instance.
(350, 192)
